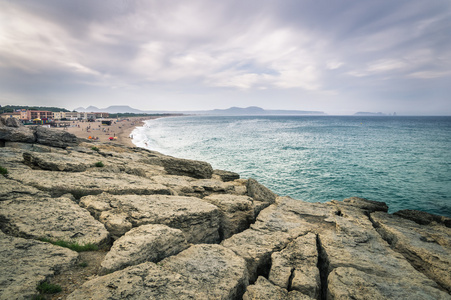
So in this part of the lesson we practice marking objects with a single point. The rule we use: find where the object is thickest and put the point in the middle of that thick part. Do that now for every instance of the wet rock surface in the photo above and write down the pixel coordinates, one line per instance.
(170, 228)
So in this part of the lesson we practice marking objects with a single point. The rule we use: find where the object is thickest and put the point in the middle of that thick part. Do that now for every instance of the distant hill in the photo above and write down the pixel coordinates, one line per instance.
(232, 111)
(364, 113)
(112, 109)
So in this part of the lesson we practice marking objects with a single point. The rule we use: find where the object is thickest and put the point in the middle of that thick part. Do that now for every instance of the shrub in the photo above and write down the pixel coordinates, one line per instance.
(48, 288)
(73, 246)
(3, 171)
(83, 264)
(99, 164)
(95, 149)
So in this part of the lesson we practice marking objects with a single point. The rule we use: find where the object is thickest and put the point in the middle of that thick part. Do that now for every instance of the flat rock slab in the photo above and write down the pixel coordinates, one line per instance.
(56, 219)
(10, 189)
(70, 162)
(88, 183)
(197, 219)
(200, 272)
(26, 263)
(427, 247)
(218, 270)
(151, 242)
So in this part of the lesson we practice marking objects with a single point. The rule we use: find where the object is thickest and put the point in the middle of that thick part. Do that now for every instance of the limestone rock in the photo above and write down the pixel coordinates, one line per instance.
(88, 183)
(59, 162)
(141, 244)
(226, 175)
(144, 281)
(13, 122)
(218, 270)
(55, 138)
(26, 263)
(180, 184)
(263, 289)
(198, 219)
(295, 267)
(350, 283)
(260, 192)
(51, 218)
(186, 167)
(426, 247)
(366, 204)
(10, 189)
(17, 134)
(237, 212)
(256, 248)
(200, 272)
(423, 218)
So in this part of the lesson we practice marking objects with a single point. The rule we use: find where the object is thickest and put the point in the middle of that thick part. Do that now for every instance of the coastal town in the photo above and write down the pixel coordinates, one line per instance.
(98, 126)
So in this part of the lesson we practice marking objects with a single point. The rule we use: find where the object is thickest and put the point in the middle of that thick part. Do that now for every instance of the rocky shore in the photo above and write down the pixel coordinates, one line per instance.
(160, 227)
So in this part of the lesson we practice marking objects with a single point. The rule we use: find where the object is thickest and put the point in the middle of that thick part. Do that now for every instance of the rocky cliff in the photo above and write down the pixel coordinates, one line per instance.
(172, 228)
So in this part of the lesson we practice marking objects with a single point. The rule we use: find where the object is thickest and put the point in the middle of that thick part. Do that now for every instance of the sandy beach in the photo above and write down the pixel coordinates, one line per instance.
(119, 130)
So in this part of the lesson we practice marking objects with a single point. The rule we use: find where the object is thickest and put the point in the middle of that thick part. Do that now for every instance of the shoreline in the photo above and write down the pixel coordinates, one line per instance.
(120, 129)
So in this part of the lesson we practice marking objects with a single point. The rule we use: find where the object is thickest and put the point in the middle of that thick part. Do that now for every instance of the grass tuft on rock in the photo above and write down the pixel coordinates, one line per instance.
(3, 171)
(99, 164)
(95, 149)
(73, 246)
(48, 288)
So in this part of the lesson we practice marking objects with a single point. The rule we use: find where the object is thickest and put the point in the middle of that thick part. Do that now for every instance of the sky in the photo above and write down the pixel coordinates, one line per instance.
(338, 57)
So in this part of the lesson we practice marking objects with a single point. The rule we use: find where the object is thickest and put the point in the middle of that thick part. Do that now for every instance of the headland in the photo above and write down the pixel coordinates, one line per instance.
(101, 220)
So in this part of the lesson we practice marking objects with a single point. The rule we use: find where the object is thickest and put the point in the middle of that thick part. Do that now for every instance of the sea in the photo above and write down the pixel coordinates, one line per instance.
(400, 160)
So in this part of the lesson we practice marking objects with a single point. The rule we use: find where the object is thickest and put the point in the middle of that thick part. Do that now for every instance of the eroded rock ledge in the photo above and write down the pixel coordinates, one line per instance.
(177, 229)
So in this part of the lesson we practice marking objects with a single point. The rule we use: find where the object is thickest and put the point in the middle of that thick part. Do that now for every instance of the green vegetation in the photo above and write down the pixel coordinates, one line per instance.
(99, 164)
(95, 149)
(83, 264)
(73, 246)
(48, 288)
(3, 171)
(38, 297)
(11, 108)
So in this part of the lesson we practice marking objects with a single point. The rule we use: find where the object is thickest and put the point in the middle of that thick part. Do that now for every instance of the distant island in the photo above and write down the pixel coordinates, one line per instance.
(364, 113)
(232, 111)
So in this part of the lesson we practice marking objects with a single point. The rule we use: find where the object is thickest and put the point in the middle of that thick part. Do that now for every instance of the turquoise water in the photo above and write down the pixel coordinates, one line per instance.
(403, 161)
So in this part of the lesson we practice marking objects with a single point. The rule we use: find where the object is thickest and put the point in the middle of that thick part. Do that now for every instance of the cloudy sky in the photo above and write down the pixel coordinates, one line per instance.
(334, 56)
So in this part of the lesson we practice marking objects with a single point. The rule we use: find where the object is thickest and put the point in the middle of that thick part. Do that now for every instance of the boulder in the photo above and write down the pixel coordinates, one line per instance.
(144, 243)
(186, 167)
(13, 122)
(56, 219)
(426, 247)
(25, 263)
(198, 219)
(17, 134)
(55, 138)
(237, 212)
(226, 175)
(259, 192)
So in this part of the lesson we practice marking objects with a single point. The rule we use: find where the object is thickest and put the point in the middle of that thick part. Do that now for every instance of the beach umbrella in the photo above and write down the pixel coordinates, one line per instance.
(111, 138)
